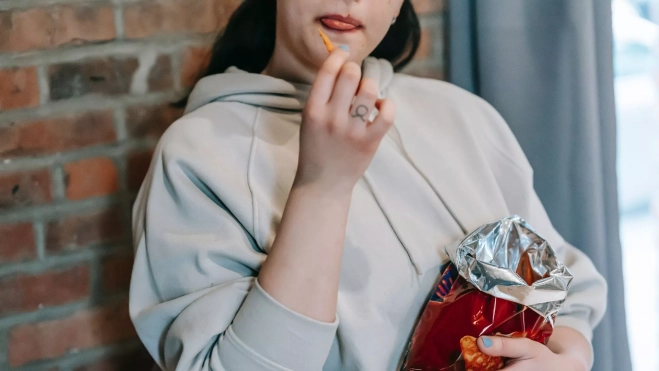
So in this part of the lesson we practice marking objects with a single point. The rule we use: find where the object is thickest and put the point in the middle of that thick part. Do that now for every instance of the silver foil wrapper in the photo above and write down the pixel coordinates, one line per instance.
(509, 260)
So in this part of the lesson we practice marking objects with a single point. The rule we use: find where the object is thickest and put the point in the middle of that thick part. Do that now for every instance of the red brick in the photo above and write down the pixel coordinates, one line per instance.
(195, 60)
(49, 136)
(138, 165)
(22, 292)
(137, 359)
(78, 231)
(168, 16)
(105, 76)
(429, 6)
(17, 242)
(425, 50)
(160, 76)
(150, 121)
(26, 188)
(90, 178)
(19, 88)
(9, 138)
(116, 273)
(83, 330)
(50, 27)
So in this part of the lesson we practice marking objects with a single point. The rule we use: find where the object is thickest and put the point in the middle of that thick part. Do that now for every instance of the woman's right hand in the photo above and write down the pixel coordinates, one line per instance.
(337, 142)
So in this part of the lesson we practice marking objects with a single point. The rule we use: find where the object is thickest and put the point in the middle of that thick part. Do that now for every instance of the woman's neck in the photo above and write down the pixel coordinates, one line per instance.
(284, 65)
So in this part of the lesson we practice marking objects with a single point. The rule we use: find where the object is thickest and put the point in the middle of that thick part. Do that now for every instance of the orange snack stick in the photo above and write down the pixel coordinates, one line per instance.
(326, 40)
(475, 360)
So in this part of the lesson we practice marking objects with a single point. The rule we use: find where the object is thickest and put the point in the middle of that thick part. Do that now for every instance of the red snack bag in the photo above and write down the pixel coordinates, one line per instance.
(503, 280)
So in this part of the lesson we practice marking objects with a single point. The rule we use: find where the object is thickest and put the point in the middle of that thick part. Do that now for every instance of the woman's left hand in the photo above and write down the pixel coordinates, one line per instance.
(527, 355)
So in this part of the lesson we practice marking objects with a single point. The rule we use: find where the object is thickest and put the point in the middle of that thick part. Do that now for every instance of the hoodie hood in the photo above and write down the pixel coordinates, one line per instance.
(258, 90)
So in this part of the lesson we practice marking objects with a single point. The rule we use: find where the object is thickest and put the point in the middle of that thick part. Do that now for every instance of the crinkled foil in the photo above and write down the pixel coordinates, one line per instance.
(509, 260)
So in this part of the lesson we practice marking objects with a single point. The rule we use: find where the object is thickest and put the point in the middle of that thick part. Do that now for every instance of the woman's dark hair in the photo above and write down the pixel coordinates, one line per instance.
(248, 40)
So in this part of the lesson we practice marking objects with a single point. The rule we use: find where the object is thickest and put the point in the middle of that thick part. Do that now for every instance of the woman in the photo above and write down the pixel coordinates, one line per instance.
(280, 228)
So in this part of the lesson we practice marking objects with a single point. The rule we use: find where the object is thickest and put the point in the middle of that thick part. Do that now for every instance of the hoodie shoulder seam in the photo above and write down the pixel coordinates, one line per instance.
(250, 162)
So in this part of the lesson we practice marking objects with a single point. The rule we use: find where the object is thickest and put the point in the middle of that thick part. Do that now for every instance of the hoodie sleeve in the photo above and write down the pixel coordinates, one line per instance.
(194, 298)
(586, 302)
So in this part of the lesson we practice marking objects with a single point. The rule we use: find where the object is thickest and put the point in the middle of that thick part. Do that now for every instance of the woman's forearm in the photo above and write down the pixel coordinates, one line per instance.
(302, 270)
(569, 342)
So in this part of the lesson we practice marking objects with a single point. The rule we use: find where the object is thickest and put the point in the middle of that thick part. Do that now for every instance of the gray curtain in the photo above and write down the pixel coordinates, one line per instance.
(547, 66)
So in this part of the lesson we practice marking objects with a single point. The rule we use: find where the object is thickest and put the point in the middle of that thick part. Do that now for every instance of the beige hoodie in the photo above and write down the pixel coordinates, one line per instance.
(207, 213)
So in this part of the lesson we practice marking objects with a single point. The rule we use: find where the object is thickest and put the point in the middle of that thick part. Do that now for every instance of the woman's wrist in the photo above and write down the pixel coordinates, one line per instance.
(337, 192)
(571, 344)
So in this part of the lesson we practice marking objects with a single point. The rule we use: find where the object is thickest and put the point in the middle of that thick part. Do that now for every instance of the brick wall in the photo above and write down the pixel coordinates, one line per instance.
(84, 93)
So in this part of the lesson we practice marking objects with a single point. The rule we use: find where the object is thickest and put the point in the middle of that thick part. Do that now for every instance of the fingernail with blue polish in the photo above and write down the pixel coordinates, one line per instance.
(345, 47)
(487, 342)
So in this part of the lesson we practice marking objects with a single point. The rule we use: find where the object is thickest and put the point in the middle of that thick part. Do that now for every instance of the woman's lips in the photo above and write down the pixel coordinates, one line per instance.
(337, 25)
(340, 23)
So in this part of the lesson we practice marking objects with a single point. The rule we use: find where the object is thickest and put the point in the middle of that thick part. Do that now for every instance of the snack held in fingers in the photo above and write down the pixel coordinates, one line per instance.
(326, 40)
(475, 360)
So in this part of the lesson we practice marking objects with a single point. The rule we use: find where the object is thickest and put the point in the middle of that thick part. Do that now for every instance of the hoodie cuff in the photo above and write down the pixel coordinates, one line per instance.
(579, 324)
(266, 329)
